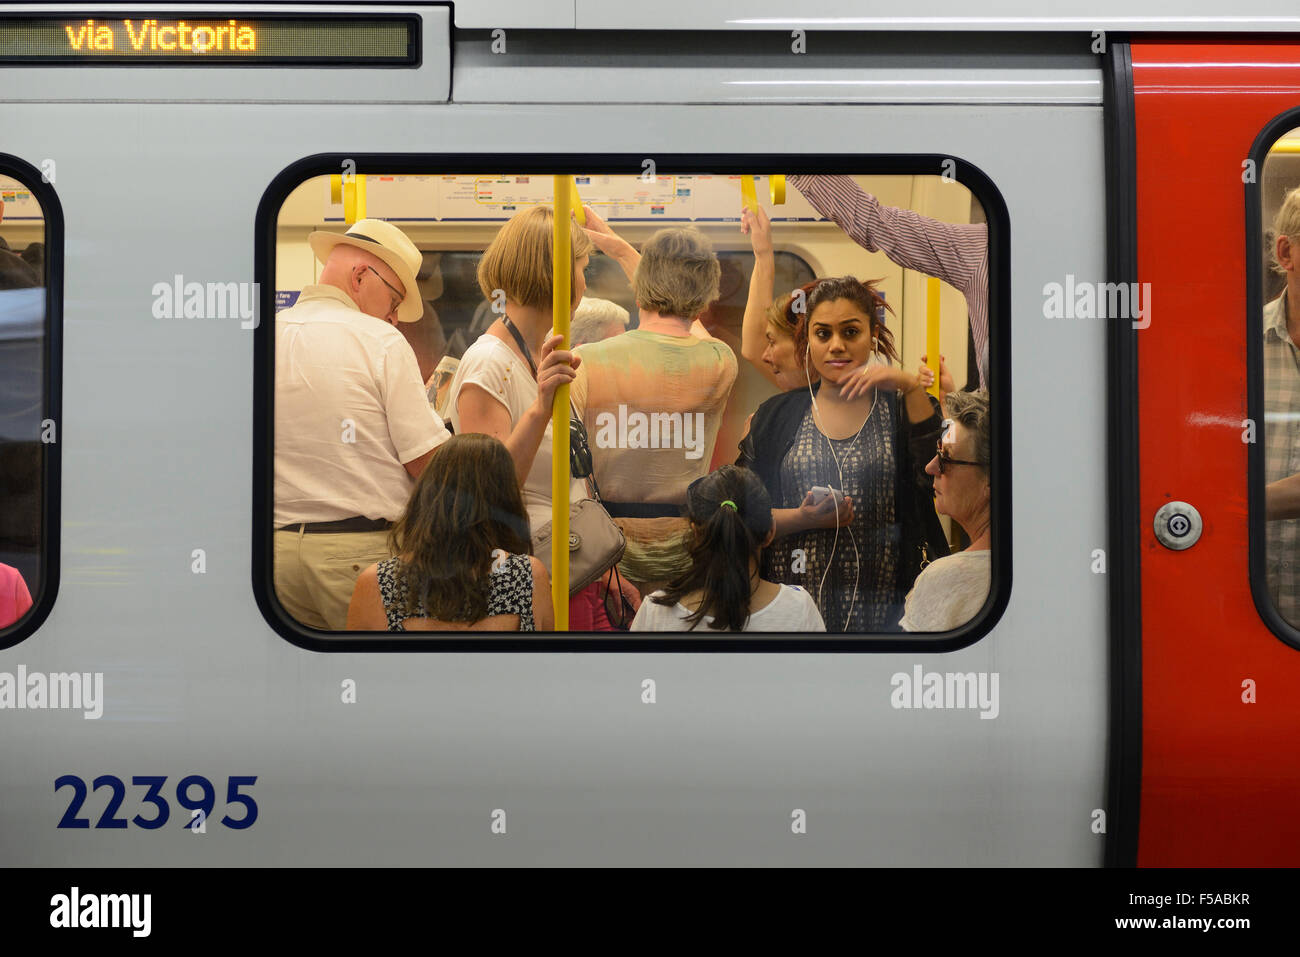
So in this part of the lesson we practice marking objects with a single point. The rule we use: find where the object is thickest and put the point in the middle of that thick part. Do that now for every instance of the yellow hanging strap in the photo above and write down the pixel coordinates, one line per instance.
(576, 201)
(776, 184)
(561, 266)
(747, 194)
(932, 331)
(351, 192)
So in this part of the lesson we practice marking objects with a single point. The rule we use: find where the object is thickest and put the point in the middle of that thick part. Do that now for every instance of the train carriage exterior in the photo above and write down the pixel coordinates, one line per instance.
(1146, 695)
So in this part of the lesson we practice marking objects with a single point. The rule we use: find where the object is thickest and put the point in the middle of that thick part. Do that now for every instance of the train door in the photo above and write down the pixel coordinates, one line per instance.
(1220, 661)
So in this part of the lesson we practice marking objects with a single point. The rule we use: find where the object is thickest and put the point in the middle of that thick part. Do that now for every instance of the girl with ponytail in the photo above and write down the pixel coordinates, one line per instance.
(731, 523)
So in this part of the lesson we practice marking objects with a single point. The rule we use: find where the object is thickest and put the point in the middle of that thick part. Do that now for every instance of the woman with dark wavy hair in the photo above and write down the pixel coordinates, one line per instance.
(463, 552)
(843, 459)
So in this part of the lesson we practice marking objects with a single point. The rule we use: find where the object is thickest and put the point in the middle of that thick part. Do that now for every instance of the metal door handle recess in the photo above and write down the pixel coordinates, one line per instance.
(1178, 525)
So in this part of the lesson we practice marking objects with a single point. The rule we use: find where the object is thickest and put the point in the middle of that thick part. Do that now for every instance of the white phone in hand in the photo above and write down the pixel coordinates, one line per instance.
(821, 493)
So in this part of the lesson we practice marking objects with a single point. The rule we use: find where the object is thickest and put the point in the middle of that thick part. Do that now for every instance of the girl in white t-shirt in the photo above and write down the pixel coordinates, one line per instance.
(731, 523)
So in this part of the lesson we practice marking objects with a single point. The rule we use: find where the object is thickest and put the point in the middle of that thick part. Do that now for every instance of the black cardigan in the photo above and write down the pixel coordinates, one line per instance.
(772, 432)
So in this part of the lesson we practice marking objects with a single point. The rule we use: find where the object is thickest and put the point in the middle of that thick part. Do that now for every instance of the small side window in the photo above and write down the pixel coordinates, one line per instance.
(29, 427)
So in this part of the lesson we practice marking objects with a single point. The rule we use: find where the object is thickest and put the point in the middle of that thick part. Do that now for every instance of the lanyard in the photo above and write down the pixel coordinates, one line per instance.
(519, 341)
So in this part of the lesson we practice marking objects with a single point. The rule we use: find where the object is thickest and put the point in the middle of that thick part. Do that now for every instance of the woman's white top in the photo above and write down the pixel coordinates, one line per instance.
(491, 365)
(948, 593)
(792, 610)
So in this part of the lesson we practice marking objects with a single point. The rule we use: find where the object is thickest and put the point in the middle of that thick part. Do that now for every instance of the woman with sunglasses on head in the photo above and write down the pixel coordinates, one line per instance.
(730, 516)
(842, 459)
(950, 592)
(463, 560)
(506, 381)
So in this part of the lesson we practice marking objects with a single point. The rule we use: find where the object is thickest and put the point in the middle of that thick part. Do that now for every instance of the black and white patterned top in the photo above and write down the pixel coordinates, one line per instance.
(852, 578)
(511, 593)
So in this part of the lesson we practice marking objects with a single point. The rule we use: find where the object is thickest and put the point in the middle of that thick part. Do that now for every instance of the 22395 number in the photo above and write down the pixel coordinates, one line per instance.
(200, 809)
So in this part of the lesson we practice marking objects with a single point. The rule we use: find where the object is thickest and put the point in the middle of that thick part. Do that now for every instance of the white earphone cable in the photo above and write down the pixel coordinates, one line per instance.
(839, 468)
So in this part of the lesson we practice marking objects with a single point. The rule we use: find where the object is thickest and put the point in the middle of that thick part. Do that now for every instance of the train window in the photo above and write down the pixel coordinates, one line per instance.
(1279, 301)
(28, 415)
(750, 407)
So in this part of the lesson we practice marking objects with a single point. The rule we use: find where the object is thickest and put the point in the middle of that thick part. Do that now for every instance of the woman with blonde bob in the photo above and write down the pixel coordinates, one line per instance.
(652, 401)
(463, 556)
(506, 381)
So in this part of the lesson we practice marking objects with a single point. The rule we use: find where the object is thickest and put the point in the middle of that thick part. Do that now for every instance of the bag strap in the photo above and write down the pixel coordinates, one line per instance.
(593, 490)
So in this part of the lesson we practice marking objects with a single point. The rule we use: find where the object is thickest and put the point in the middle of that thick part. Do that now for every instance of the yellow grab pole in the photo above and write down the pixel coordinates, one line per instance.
(932, 331)
(561, 267)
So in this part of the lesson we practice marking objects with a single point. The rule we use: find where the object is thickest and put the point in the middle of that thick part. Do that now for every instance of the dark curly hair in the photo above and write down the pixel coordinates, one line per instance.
(865, 297)
(465, 505)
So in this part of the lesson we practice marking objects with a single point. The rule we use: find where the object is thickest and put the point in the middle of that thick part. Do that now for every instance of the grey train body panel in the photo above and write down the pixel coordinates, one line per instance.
(157, 458)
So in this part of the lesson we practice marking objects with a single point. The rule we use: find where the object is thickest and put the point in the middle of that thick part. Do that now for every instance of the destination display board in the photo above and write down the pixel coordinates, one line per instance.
(206, 41)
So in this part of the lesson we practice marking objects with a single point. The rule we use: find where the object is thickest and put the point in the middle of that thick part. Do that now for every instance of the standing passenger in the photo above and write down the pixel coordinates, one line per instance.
(652, 402)
(506, 382)
(353, 428)
(864, 430)
(1281, 412)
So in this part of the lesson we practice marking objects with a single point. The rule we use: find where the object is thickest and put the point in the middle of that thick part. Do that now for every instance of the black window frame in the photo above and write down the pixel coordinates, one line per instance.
(52, 366)
(999, 375)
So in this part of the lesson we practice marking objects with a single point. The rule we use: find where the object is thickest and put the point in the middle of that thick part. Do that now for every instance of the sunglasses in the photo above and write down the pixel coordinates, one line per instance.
(945, 459)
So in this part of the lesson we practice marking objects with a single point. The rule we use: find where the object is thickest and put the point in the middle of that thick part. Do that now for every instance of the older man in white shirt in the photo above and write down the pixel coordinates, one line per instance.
(353, 426)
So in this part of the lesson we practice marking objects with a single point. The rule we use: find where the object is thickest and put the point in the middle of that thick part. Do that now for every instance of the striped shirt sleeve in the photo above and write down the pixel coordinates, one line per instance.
(957, 253)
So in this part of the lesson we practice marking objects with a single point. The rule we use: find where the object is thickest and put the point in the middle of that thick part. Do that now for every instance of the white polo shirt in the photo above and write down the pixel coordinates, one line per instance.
(350, 408)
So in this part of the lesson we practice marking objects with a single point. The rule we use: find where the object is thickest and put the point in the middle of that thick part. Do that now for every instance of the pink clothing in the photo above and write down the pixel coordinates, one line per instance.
(14, 598)
(956, 253)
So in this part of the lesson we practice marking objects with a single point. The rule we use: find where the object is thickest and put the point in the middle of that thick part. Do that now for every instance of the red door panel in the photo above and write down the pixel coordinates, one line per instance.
(1220, 778)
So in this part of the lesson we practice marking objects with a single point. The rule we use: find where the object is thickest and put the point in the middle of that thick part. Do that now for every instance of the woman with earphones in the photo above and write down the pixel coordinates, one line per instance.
(843, 459)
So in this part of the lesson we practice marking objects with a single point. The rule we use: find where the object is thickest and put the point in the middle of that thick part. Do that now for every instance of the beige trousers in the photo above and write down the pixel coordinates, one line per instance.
(315, 573)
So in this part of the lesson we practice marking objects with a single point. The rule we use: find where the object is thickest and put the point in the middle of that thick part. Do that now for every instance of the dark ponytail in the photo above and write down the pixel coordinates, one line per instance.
(725, 538)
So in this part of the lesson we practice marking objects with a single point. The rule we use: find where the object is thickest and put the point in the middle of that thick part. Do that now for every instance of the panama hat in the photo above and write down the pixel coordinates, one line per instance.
(388, 243)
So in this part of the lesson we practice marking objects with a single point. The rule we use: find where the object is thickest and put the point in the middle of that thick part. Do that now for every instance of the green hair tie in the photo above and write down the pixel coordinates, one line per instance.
(727, 501)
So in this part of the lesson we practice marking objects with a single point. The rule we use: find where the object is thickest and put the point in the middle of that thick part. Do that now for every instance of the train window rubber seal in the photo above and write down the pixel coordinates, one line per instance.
(879, 164)
(52, 389)
(1268, 613)
(1124, 710)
